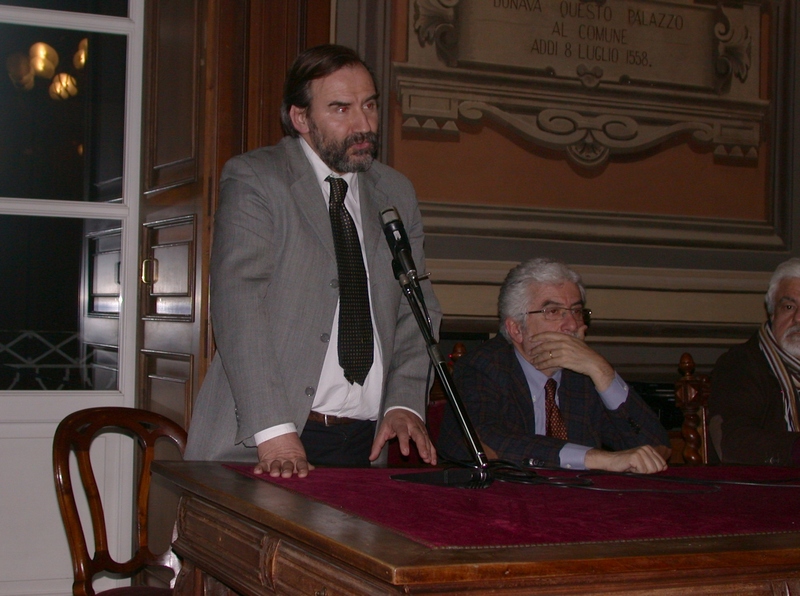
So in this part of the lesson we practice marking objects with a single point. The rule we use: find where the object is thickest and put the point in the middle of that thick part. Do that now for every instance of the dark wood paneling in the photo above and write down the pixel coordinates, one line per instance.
(168, 271)
(172, 86)
(104, 269)
(226, 49)
(278, 31)
(166, 384)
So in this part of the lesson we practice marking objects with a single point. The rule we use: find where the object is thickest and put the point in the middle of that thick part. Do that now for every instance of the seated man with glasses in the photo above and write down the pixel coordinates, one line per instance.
(539, 396)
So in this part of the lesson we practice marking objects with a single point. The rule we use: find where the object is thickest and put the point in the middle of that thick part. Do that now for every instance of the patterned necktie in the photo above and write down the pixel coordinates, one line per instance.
(355, 324)
(555, 423)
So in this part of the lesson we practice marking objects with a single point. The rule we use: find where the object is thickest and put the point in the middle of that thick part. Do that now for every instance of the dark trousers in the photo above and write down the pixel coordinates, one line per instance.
(341, 445)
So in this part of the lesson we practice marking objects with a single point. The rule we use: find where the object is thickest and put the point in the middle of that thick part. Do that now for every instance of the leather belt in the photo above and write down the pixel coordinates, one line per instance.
(329, 420)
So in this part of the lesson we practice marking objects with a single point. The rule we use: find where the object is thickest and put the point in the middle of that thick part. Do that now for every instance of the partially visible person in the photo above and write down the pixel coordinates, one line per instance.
(753, 407)
(319, 357)
(504, 383)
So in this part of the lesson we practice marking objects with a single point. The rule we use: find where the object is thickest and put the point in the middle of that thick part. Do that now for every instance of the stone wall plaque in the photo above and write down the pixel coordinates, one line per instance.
(589, 77)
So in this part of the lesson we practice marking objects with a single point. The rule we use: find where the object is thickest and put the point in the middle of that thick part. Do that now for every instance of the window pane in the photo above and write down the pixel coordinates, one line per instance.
(63, 132)
(111, 8)
(59, 303)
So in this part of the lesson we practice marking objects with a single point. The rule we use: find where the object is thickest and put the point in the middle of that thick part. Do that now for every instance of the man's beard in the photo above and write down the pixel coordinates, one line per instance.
(790, 341)
(335, 154)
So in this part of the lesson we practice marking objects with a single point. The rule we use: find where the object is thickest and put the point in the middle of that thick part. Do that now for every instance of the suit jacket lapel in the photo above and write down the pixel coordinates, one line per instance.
(307, 194)
(520, 388)
(571, 406)
(372, 200)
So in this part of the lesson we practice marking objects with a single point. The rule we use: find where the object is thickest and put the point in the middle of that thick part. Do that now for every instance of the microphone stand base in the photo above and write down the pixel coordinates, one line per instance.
(453, 477)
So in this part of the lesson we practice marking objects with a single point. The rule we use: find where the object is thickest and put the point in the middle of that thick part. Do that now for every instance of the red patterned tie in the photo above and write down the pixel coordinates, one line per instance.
(355, 323)
(555, 423)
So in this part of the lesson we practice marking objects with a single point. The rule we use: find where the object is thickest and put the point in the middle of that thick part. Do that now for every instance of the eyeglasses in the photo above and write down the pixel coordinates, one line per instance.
(557, 313)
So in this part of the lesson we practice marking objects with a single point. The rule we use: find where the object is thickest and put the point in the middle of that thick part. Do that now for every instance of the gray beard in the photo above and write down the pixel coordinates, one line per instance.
(790, 341)
(335, 154)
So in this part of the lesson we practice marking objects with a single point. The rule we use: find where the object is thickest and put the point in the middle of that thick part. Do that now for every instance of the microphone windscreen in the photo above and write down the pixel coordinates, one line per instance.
(389, 215)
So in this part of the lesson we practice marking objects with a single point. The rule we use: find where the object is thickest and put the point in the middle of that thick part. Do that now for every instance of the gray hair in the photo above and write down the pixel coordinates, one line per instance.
(515, 291)
(790, 268)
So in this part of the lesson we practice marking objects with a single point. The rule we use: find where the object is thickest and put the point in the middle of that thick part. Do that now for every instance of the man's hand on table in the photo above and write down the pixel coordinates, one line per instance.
(641, 460)
(283, 456)
(404, 425)
(663, 451)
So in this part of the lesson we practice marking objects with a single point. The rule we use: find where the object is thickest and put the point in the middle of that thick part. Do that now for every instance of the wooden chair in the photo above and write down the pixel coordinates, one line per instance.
(691, 396)
(75, 435)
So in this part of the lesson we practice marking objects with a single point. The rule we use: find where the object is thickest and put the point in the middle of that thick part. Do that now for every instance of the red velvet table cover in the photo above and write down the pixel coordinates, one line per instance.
(512, 514)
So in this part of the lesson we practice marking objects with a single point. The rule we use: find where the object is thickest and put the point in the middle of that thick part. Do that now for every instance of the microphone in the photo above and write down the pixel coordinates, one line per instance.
(398, 243)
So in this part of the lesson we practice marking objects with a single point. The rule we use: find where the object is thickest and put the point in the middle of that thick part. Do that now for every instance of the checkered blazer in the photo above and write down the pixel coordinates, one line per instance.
(494, 390)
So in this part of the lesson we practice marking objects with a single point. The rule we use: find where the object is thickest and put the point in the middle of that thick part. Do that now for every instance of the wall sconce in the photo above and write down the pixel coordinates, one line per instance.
(79, 59)
(42, 61)
(63, 86)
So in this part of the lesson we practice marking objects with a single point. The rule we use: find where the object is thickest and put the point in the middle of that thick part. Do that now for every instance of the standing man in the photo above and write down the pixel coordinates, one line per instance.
(319, 357)
(753, 407)
(538, 395)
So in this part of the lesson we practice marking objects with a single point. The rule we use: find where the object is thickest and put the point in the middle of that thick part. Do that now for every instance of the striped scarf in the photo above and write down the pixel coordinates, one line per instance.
(787, 369)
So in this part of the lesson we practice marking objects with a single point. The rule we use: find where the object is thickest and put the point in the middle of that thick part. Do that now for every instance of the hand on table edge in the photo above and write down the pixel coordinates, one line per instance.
(283, 456)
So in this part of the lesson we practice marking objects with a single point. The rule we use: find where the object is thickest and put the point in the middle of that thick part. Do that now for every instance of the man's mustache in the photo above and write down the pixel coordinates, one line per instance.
(793, 330)
(362, 137)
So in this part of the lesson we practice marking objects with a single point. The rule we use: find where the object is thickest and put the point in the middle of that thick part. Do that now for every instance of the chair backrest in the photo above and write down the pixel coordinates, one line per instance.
(691, 396)
(75, 435)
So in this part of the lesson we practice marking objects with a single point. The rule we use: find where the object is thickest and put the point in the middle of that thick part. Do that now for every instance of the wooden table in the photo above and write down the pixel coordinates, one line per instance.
(238, 535)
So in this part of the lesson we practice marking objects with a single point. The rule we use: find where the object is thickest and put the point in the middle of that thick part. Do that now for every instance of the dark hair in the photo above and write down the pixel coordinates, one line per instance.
(314, 63)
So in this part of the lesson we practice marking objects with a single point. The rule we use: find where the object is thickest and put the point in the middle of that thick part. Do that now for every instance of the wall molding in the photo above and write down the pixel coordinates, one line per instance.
(597, 226)
(533, 68)
(462, 271)
(619, 238)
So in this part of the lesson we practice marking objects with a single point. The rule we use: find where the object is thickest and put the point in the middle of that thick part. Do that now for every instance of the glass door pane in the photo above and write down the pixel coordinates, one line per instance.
(70, 134)
(63, 131)
(112, 8)
(59, 303)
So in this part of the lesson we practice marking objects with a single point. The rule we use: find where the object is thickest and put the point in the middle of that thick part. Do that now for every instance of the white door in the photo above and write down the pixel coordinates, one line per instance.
(70, 122)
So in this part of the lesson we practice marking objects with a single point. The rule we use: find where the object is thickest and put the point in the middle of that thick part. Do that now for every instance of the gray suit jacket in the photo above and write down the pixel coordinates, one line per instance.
(274, 294)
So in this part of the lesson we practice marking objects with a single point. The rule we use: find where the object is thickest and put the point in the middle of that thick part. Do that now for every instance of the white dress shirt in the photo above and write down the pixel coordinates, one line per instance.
(335, 395)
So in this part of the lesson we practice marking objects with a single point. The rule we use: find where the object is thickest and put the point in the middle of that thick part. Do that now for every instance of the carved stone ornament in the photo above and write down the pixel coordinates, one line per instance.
(592, 78)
